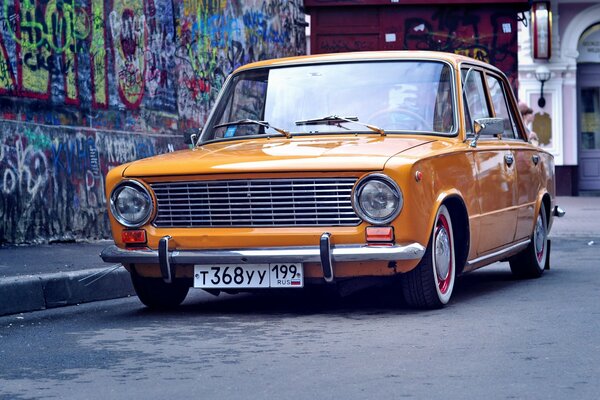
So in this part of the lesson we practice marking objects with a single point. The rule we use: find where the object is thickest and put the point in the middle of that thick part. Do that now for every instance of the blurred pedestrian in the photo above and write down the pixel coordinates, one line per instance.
(527, 115)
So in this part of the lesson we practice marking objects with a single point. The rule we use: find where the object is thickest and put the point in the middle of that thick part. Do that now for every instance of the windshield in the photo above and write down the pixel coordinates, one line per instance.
(395, 96)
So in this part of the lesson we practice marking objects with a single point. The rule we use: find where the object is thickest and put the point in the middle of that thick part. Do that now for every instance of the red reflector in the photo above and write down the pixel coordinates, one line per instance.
(136, 236)
(418, 176)
(380, 234)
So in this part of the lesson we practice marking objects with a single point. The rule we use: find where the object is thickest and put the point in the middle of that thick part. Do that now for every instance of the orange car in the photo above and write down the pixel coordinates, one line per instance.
(333, 168)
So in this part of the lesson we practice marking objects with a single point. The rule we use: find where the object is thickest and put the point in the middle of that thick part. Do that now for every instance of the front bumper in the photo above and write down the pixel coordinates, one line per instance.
(325, 253)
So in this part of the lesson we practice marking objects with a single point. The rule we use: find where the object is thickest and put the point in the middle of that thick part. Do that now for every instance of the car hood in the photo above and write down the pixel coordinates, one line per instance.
(339, 153)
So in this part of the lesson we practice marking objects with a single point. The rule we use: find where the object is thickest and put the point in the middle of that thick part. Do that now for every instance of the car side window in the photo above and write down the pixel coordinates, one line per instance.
(501, 107)
(475, 99)
(245, 103)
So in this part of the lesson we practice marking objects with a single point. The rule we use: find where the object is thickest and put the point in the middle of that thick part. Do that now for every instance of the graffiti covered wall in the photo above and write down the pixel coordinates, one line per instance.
(52, 180)
(89, 84)
(219, 36)
(144, 65)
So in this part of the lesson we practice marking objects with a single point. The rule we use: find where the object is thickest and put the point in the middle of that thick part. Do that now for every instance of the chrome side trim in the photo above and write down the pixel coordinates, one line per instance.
(340, 253)
(496, 256)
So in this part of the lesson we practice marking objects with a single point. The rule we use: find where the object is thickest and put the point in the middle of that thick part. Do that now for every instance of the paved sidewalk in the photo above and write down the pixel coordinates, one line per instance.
(53, 275)
(582, 218)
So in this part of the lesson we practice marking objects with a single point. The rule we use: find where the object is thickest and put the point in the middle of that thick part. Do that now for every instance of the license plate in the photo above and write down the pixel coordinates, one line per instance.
(248, 276)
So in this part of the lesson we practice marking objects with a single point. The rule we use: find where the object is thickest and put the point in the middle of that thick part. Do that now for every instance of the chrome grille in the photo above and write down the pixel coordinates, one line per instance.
(261, 202)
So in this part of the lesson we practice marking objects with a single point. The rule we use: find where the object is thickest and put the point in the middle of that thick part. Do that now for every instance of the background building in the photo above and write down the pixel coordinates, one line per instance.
(569, 122)
(89, 84)
(482, 29)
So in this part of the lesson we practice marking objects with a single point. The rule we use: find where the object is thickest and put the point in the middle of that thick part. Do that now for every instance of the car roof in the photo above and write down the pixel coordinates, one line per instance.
(455, 59)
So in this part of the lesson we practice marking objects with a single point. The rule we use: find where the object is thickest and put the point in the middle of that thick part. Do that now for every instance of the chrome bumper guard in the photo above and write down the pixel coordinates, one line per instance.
(325, 254)
(558, 212)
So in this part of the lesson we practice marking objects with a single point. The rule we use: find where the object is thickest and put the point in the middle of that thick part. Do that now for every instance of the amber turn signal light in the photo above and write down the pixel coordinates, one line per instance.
(380, 234)
(134, 236)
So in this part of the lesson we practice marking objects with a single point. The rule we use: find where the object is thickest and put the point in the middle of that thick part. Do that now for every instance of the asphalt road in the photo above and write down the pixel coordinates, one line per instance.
(498, 339)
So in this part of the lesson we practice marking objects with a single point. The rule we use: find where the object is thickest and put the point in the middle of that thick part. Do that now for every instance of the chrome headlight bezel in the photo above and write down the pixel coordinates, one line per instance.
(358, 190)
(114, 195)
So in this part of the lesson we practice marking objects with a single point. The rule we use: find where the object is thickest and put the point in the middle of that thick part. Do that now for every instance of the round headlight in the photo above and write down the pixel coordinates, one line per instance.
(377, 199)
(131, 204)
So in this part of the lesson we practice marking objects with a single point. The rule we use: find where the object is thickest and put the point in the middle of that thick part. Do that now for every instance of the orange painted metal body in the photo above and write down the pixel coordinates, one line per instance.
(500, 202)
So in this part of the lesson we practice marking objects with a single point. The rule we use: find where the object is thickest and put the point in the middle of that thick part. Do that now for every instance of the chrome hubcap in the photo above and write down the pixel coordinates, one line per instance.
(539, 238)
(442, 254)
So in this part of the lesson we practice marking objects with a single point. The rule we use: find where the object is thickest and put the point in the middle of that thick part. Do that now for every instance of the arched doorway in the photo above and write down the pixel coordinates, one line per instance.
(588, 105)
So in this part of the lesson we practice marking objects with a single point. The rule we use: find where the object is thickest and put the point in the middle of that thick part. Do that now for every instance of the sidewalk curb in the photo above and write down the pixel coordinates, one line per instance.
(38, 292)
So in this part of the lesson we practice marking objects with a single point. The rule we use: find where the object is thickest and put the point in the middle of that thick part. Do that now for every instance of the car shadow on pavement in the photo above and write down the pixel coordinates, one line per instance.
(382, 299)
(297, 302)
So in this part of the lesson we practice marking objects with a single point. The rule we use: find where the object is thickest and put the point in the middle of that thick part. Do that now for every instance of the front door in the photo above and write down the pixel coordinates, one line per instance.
(589, 126)
(495, 165)
(494, 161)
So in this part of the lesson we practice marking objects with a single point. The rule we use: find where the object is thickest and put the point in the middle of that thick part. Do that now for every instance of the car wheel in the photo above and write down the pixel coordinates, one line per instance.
(530, 263)
(155, 293)
(430, 284)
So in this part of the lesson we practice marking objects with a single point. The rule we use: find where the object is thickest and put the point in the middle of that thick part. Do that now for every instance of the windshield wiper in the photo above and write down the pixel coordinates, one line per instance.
(247, 121)
(336, 119)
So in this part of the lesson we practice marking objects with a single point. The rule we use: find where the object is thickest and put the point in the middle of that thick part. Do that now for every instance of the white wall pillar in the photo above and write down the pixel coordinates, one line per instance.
(567, 56)
(530, 87)
(569, 126)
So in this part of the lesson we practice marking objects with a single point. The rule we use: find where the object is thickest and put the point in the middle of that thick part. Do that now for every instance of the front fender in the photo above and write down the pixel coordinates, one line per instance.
(427, 184)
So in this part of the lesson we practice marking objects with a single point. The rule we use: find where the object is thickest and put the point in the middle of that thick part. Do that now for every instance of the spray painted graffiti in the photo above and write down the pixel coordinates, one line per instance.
(52, 180)
(168, 57)
(46, 38)
(98, 54)
(98, 70)
(25, 169)
(128, 29)
(218, 36)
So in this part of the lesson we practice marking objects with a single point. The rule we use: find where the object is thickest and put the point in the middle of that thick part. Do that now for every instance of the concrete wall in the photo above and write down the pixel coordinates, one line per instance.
(89, 84)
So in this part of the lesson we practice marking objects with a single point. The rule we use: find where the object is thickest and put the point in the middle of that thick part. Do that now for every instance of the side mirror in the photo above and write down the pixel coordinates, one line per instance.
(191, 136)
(487, 126)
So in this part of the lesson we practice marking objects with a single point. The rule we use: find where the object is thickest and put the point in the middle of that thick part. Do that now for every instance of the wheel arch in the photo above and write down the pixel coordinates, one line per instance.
(546, 201)
(461, 229)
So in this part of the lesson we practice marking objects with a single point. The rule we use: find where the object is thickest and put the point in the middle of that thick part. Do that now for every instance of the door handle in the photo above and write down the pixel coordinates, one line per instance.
(509, 159)
(536, 159)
